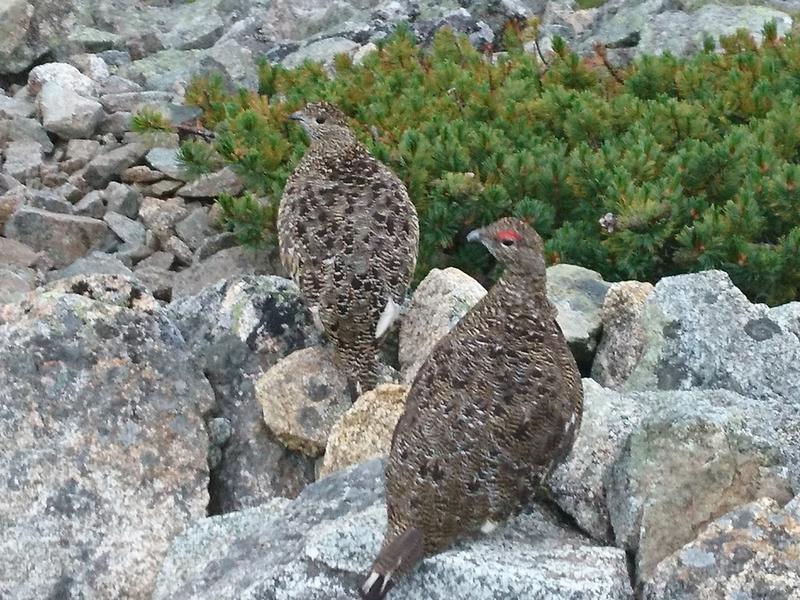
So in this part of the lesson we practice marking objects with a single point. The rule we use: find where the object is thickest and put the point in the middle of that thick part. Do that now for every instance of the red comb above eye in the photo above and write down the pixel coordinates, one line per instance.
(508, 234)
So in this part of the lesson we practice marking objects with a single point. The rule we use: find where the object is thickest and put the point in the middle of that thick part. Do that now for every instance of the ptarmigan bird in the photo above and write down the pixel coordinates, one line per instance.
(348, 234)
(491, 412)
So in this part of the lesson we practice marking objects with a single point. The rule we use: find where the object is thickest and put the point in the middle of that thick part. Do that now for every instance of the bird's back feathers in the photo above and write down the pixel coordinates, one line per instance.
(348, 234)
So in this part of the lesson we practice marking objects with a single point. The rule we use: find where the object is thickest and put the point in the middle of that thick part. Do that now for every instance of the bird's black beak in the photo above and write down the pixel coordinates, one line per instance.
(296, 116)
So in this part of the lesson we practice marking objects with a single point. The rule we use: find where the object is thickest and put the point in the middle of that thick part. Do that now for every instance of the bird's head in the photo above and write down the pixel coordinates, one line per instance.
(515, 244)
(321, 119)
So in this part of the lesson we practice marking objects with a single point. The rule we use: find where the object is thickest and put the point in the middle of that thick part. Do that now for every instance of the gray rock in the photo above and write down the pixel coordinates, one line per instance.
(319, 546)
(10, 203)
(48, 199)
(237, 329)
(69, 192)
(68, 114)
(106, 165)
(195, 229)
(702, 332)
(119, 85)
(70, 167)
(157, 280)
(153, 138)
(163, 70)
(15, 283)
(199, 30)
(793, 508)
(16, 254)
(181, 252)
(15, 107)
(302, 396)
(162, 260)
(695, 457)
(116, 58)
(363, 51)
(224, 264)
(126, 229)
(93, 40)
(212, 185)
(8, 183)
(64, 238)
(788, 317)
(623, 338)
(105, 409)
(50, 203)
(578, 294)
(52, 176)
(235, 61)
(682, 33)
(438, 303)
(166, 161)
(141, 174)
(208, 539)
(285, 20)
(65, 76)
(24, 129)
(163, 188)
(143, 44)
(753, 551)
(97, 263)
(118, 123)
(212, 245)
(91, 65)
(82, 150)
(28, 30)
(320, 51)
(79, 183)
(91, 205)
(122, 199)
(662, 25)
(160, 216)
(114, 289)
(579, 484)
(132, 101)
(219, 431)
(23, 159)
(133, 253)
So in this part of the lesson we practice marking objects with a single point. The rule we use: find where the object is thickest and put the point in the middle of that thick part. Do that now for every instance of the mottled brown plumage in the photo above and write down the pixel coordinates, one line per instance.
(348, 234)
(491, 412)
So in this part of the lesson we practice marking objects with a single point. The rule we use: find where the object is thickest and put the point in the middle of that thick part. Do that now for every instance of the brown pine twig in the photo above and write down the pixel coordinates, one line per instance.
(600, 50)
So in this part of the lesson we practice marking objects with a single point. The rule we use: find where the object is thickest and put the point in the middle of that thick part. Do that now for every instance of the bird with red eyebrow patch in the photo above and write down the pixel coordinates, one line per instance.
(508, 236)
(491, 412)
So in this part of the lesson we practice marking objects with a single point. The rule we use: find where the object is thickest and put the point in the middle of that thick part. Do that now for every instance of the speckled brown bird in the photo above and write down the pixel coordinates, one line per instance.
(492, 411)
(348, 234)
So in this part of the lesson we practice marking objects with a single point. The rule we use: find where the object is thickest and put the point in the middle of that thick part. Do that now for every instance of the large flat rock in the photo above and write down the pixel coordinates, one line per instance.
(320, 545)
(103, 451)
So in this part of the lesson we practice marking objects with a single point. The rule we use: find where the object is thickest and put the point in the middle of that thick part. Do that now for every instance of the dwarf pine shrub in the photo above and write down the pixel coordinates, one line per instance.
(697, 161)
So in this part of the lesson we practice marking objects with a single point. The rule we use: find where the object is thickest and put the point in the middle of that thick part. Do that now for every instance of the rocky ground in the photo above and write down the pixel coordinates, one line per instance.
(153, 372)
(160, 44)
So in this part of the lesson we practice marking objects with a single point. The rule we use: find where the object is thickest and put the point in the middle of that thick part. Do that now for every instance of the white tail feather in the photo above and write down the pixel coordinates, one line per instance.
(373, 577)
(388, 316)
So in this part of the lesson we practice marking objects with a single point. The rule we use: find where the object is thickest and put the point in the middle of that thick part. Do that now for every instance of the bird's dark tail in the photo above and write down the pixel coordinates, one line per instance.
(395, 559)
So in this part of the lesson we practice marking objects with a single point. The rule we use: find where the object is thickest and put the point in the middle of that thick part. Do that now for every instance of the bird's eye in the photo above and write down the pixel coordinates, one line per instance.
(320, 120)
(507, 242)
